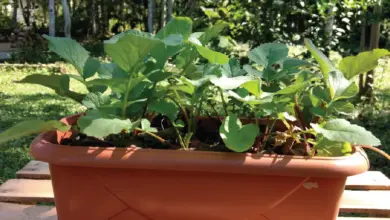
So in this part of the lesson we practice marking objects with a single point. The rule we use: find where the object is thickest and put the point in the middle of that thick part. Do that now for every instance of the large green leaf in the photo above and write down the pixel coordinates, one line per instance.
(213, 32)
(237, 137)
(253, 86)
(230, 83)
(343, 131)
(59, 83)
(145, 125)
(111, 70)
(212, 56)
(268, 54)
(91, 66)
(326, 65)
(232, 68)
(165, 107)
(130, 48)
(116, 84)
(178, 25)
(96, 124)
(30, 127)
(342, 107)
(354, 65)
(95, 100)
(254, 72)
(69, 50)
(328, 148)
(253, 100)
(340, 87)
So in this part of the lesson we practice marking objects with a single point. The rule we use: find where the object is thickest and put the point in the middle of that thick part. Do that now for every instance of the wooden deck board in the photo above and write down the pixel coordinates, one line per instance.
(371, 201)
(34, 170)
(26, 191)
(11, 211)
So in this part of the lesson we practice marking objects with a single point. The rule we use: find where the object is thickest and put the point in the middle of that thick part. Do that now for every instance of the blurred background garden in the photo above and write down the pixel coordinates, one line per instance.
(339, 28)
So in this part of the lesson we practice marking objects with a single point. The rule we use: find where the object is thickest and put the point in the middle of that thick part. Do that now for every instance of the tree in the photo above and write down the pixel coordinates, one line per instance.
(15, 13)
(163, 13)
(170, 10)
(52, 18)
(67, 20)
(150, 16)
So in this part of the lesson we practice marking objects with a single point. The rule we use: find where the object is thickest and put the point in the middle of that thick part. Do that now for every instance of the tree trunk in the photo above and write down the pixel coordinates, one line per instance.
(52, 18)
(374, 43)
(67, 20)
(93, 17)
(15, 6)
(150, 16)
(25, 12)
(104, 16)
(170, 10)
(163, 13)
(362, 49)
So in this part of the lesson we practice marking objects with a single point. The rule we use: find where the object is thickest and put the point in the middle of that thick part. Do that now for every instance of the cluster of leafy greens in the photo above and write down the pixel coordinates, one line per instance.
(175, 77)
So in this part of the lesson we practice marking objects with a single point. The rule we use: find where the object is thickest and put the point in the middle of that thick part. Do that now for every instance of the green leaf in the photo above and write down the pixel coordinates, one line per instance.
(340, 87)
(343, 131)
(342, 107)
(116, 84)
(294, 88)
(253, 86)
(91, 66)
(59, 83)
(173, 40)
(130, 48)
(237, 137)
(326, 65)
(111, 70)
(328, 148)
(268, 54)
(230, 83)
(69, 50)
(317, 110)
(212, 56)
(178, 25)
(213, 32)
(253, 100)
(232, 68)
(30, 127)
(251, 71)
(95, 100)
(164, 107)
(354, 65)
(290, 63)
(145, 125)
(98, 125)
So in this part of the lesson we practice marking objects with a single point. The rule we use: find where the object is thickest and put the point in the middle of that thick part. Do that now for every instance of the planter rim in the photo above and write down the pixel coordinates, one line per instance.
(44, 148)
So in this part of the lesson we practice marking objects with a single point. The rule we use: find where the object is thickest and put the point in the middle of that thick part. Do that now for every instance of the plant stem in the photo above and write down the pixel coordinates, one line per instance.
(162, 140)
(223, 101)
(299, 114)
(181, 142)
(184, 111)
(266, 136)
(215, 110)
(376, 150)
(124, 107)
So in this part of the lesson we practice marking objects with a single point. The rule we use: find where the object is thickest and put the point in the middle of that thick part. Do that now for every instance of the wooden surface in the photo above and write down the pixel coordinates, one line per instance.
(26, 191)
(34, 170)
(367, 193)
(10, 211)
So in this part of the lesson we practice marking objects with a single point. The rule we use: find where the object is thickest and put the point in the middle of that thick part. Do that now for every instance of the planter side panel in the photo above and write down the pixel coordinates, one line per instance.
(123, 194)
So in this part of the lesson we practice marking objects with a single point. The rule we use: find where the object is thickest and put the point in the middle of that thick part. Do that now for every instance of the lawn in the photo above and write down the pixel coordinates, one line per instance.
(22, 101)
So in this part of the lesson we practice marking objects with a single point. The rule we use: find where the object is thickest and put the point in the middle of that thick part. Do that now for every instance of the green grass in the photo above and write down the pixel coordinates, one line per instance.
(23, 101)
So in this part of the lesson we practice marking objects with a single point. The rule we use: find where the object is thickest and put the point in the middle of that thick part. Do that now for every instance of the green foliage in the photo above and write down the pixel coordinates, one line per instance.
(236, 136)
(26, 128)
(343, 131)
(354, 65)
(160, 84)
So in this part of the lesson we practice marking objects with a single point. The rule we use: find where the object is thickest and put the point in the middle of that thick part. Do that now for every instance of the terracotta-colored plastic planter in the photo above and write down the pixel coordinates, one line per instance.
(141, 184)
